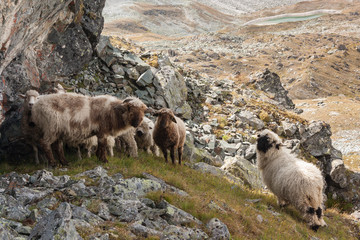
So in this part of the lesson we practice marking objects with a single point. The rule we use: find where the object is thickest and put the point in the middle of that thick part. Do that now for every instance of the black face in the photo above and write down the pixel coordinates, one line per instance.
(263, 144)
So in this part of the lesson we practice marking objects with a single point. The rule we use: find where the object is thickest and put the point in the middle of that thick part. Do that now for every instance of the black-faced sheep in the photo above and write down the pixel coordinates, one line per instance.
(144, 137)
(292, 180)
(127, 144)
(74, 117)
(30, 131)
(169, 133)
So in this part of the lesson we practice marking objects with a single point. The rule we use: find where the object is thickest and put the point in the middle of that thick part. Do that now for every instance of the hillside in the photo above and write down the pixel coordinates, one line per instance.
(228, 79)
(247, 214)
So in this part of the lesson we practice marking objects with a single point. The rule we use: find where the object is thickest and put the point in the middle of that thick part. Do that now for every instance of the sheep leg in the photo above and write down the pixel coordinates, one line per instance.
(48, 152)
(180, 151)
(132, 147)
(58, 145)
(110, 150)
(36, 153)
(164, 150)
(101, 150)
(79, 153)
(172, 154)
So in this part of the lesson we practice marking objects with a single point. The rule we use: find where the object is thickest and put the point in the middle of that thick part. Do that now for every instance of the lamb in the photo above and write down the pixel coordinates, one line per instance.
(126, 143)
(169, 133)
(291, 179)
(90, 144)
(30, 131)
(144, 137)
(73, 117)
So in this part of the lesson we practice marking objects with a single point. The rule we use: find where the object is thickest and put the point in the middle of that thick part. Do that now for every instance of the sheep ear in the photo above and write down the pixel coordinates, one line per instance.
(127, 100)
(121, 108)
(22, 96)
(173, 119)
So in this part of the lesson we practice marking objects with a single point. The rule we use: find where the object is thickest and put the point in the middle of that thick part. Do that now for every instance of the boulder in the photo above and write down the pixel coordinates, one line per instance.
(57, 225)
(218, 230)
(243, 169)
(270, 82)
(249, 118)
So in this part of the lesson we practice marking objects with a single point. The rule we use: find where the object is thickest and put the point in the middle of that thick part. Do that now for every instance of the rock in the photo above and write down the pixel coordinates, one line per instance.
(270, 82)
(218, 230)
(83, 214)
(26, 196)
(250, 152)
(259, 218)
(316, 140)
(338, 173)
(182, 233)
(6, 232)
(229, 148)
(142, 231)
(125, 210)
(207, 129)
(44, 178)
(166, 187)
(243, 169)
(135, 187)
(11, 209)
(171, 83)
(98, 172)
(176, 216)
(57, 225)
(206, 168)
(145, 79)
(104, 212)
(289, 128)
(194, 154)
(132, 73)
(249, 118)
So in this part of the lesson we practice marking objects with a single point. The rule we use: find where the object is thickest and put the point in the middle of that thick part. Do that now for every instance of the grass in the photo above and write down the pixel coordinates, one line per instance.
(236, 210)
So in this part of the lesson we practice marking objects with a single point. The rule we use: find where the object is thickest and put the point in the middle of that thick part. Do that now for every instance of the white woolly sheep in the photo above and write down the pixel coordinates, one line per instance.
(291, 179)
(127, 144)
(144, 137)
(74, 117)
(169, 133)
(90, 144)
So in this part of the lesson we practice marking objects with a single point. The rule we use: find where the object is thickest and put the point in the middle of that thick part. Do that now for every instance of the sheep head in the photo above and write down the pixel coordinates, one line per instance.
(165, 116)
(135, 109)
(30, 97)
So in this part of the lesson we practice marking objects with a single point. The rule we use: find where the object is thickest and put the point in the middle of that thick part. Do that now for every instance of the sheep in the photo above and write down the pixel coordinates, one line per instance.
(144, 137)
(169, 133)
(90, 144)
(30, 131)
(291, 179)
(73, 117)
(126, 143)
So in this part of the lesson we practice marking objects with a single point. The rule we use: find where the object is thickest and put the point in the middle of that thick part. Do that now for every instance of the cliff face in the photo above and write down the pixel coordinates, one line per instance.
(42, 42)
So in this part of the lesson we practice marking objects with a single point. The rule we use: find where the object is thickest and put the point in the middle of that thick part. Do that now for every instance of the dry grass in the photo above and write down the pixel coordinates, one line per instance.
(236, 209)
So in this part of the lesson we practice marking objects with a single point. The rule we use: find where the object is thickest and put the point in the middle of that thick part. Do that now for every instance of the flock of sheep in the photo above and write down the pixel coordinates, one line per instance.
(102, 122)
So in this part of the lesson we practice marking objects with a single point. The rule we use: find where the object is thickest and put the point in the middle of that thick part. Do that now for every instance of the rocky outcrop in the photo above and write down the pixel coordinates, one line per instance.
(112, 198)
(42, 42)
(270, 82)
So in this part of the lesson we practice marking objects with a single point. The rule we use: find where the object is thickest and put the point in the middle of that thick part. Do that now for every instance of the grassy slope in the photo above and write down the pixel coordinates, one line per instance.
(240, 214)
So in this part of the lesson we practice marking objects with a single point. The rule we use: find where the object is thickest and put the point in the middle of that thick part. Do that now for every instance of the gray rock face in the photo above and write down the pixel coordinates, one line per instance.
(42, 42)
(249, 118)
(57, 225)
(6, 232)
(270, 82)
(218, 229)
(243, 169)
